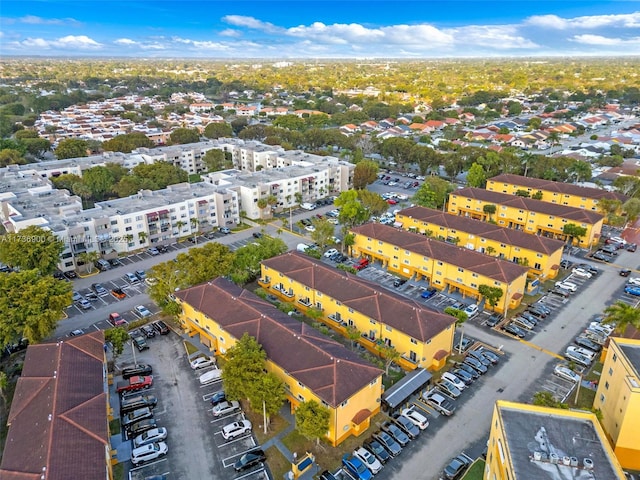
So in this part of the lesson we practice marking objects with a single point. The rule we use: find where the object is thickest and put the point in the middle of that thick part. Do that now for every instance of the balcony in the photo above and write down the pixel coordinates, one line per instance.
(283, 291)
(408, 359)
(335, 317)
(305, 301)
(264, 281)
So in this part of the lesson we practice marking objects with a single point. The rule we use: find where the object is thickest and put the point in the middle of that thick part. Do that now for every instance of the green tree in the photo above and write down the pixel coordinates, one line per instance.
(364, 173)
(128, 142)
(216, 160)
(389, 353)
(573, 231)
(218, 130)
(65, 181)
(397, 148)
(31, 248)
(128, 185)
(353, 334)
(31, 305)
(627, 185)
(622, 315)
(118, 338)
(290, 122)
(546, 399)
(538, 195)
(433, 193)
(180, 136)
(632, 209)
(373, 202)
(71, 148)
(476, 176)
(489, 210)
(262, 204)
(99, 180)
(88, 259)
(312, 420)
(243, 368)
(4, 384)
(8, 156)
(268, 389)
(352, 212)
(491, 294)
(246, 260)
(36, 146)
(459, 314)
(159, 175)
(323, 232)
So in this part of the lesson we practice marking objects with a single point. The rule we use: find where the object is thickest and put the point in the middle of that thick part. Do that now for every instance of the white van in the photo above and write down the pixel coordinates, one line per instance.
(302, 247)
(308, 206)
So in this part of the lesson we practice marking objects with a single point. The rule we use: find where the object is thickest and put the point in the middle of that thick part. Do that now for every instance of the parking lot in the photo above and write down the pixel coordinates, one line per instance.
(196, 448)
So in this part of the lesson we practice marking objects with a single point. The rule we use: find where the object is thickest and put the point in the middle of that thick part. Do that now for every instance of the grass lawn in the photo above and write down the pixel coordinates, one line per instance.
(114, 426)
(276, 424)
(118, 471)
(328, 457)
(476, 471)
(278, 464)
(190, 348)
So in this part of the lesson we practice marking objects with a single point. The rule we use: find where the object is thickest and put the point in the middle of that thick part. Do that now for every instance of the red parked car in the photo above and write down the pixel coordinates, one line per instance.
(361, 264)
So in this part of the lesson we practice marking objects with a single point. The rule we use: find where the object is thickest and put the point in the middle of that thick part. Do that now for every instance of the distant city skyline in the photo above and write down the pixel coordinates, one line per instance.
(319, 29)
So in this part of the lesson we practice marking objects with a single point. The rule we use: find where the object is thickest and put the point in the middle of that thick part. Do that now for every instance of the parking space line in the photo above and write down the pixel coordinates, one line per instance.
(260, 470)
(217, 419)
(148, 464)
(224, 460)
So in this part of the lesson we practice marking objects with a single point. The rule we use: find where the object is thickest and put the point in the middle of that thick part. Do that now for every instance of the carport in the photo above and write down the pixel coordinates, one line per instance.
(400, 393)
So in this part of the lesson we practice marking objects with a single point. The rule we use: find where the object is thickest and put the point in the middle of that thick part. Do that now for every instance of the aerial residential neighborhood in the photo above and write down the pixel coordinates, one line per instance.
(254, 242)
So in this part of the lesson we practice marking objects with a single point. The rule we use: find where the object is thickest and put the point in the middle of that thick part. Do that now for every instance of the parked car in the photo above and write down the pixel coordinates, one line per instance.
(456, 467)
(162, 248)
(396, 432)
(530, 318)
(148, 331)
(610, 249)
(131, 278)
(142, 311)
(70, 274)
(566, 264)
(150, 436)
(536, 311)
(225, 230)
(514, 330)
(590, 354)
(249, 459)
(330, 253)
(236, 429)
(153, 251)
(415, 417)
(478, 356)
(605, 329)
(489, 355)
(369, 459)
(632, 290)
(138, 340)
(581, 272)
(218, 397)
(147, 453)
(388, 442)
(602, 256)
(118, 293)
(471, 310)
(457, 382)
(99, 289)
(142, 426)
(225, 408)
(137, 415)
(585, 342)
(449, 388)
(494, 320)
(463, 375)
(577, 358)
(565, 372)
(468, 369)
(439, 402)
(398, 282)
(356, 467)
(134, 370)
(631, 247)
(523, 322)
(160, 327)
(375, 447)
(476, 364)
(133, 402)
(84, 304)
(141, 274)
(407, 426)
(361, 264)
(202, 362)
(76, 332)
(429, 292)
(572, 287)
(210, 376)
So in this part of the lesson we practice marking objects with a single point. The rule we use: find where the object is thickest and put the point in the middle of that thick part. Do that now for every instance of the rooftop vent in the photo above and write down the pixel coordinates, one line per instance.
(553, 458)
(537, 456)
(587, 463)
(566, 460)
(574, 461)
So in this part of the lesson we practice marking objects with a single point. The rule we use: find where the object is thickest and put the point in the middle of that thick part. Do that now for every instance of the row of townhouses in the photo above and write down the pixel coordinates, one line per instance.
(151, 218)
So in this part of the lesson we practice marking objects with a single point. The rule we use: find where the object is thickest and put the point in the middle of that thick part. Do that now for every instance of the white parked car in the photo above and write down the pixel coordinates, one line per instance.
(236, 429)
(369, 459)
(330, 252)
(460, 385)
(310, 228)
(572, 287)
(149, 452)
(210, 376)
(418, 419)
(581, 272)
(202, 362)
(471, 310)
(142, 311)
(602, 328)
(585, 352)
(576, 357)
(308, 206)
(634, 281)
(224, 408)
(150, 436)
(565, 372)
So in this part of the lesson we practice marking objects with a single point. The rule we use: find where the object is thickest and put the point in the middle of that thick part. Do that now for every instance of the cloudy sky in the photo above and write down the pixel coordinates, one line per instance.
(320, 29)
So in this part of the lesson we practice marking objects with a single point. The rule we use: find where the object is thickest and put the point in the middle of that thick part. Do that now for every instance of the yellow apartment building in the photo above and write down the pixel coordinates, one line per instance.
(560, 193)
(311, 365)
(528, 442)
(618, 398)
(446, 267)
(422, 336)
(531, 216)
(540, 254)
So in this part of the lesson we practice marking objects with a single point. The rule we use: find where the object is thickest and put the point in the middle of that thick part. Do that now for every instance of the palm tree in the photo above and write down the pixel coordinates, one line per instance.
(298, 197)
(622, 315)
(262, 204)
(142, 236)
(272, 201)
(179, 225)
(87, 259)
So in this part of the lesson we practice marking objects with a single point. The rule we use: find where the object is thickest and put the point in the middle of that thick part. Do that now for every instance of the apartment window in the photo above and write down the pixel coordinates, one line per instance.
(537, 266)
(300, 385)
(344, 404)
(610, 371)
(114, 222)
(407, 252)
(602, 398)
(439, 264)
(396, 248)
(379, 242)
(350, 310)
(414, 341)
(388, 328)
(372, 322)
(127, 220)
(606, 385)
(461, 270)
(128, 229)
(474, 275)
(614, 357)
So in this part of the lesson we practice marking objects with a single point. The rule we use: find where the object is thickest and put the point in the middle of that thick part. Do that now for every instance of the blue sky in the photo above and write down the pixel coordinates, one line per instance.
(320, 29)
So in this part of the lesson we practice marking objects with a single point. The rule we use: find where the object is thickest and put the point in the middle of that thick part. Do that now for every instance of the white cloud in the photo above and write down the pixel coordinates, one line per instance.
(605, 41)
(125, 41)
(230, 32)
(34, 20)
(70, 42)
(627, 20)
(499, 37)
(251, 22)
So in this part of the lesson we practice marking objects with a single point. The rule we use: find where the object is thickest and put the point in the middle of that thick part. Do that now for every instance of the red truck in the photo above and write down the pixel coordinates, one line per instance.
(361, 264)
(135, 383)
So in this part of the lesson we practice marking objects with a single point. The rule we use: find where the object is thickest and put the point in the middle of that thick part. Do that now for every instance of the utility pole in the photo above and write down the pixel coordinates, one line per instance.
(264, 415)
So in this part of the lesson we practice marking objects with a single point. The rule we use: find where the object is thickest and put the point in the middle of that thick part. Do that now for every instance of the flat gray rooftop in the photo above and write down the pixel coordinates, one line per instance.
(528, 432)
(632, 352)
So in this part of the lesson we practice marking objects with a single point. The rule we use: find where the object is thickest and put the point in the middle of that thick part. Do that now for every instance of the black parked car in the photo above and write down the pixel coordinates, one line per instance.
(140, 369)
(396, 432)
(456, 467)
(494, 320)
(250, 459)
(141, 427)
(388, 442)
(476, 364)
(114, 262)
(375, 447)
(162, 248)
(602, 256)
(561, 292)
(468, 369)
(536, 311)
(631, 247)
(148, 331)
(161, 327)
(587, 343)
(513, 330)
(398, 282)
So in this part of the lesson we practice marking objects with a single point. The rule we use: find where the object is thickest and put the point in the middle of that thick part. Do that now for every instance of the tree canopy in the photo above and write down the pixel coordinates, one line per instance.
(365, 173)
(312, 420)
(71, 148)
(184, 135)
(218, 130)
(127, 142)
(31, 248)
